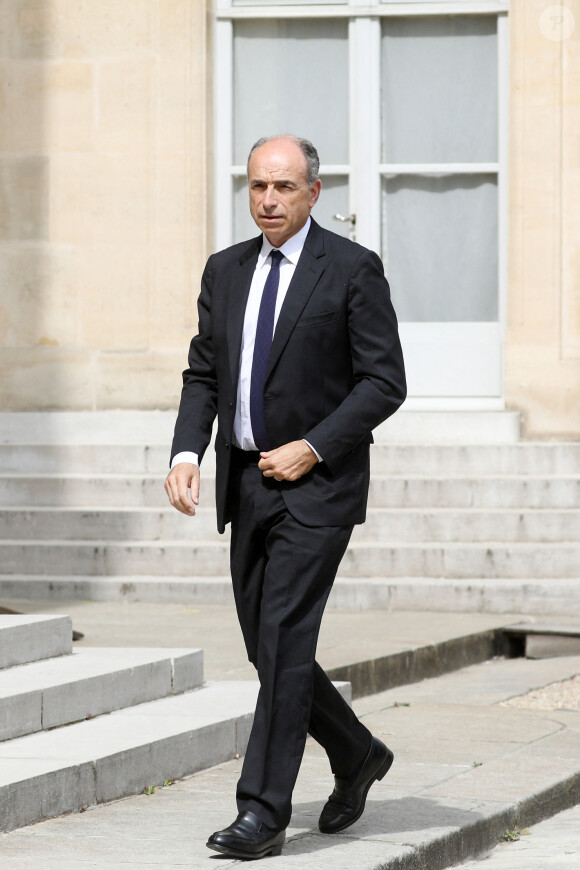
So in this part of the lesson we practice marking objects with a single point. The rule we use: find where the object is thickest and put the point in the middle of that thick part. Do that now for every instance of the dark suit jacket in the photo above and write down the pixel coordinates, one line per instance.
(335, 371)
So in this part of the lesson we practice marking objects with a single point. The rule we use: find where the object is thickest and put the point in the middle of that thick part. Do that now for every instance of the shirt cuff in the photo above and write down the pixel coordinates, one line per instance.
(185, 456)
(316, 453)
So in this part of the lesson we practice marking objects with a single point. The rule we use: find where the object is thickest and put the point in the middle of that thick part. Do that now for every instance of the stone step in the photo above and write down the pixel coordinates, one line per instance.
(67, 769)
(466, 769)
(461, 560)
(135, 523)
(85, 459)
(383, 524)
(129, 490)
(408, 426)
(534, 458)
(509, 491)
(414, 423)
(540, 525)
(554, 629)
(543, 640)
(31, 638)
(523, 458)
(526, 595)
(87, 427)
(366, 559)
(90, 682)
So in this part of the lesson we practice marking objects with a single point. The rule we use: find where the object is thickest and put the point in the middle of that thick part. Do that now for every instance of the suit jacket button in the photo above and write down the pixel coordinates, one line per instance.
(227, 446)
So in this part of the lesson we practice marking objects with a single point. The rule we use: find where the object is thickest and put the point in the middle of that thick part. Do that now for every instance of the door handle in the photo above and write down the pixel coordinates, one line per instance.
(351, 219)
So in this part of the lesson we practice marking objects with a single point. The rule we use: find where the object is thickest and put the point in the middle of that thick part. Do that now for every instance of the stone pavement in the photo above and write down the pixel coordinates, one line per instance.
(465, 767)
(346, 635)
(550, 845)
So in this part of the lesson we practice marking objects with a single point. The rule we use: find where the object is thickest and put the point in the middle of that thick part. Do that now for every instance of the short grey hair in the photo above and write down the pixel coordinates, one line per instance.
(307, 148)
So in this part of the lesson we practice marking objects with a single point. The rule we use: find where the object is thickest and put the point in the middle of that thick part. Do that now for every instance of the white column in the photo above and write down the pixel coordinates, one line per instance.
(365, 129)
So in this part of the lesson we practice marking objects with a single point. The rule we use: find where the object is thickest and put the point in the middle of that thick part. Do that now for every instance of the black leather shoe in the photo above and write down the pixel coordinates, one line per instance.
(248, 838)
(347, 802)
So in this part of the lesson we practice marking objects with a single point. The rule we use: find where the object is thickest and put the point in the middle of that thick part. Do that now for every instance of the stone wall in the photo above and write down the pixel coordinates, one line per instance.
(104, 205)
(103, 199)
(543, 336)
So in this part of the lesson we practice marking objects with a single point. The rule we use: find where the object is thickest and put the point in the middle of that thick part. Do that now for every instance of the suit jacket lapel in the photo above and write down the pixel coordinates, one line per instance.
(240, 282)
(306, 276)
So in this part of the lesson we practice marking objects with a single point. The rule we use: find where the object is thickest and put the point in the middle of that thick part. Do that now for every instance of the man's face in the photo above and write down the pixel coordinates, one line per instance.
(280, 199)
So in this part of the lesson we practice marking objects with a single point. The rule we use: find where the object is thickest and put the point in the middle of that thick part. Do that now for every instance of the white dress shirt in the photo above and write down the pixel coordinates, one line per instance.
(291, 249)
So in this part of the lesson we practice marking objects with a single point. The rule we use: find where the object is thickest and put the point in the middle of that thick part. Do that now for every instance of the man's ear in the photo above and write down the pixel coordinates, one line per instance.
(315, 192)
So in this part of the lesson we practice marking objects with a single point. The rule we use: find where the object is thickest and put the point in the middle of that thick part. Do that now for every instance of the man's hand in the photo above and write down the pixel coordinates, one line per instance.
(289, 462)
(182, 487)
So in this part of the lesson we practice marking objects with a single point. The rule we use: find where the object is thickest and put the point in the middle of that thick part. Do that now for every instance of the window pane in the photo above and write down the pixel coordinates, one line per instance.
(439, 89)
(333, 199)
(291, 77)
(440, 246)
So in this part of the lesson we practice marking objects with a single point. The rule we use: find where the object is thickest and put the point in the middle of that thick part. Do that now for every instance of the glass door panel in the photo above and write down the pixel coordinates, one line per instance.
(292, 77)
(440, 246)
(414, 102)
(439, 89)
(439, 199)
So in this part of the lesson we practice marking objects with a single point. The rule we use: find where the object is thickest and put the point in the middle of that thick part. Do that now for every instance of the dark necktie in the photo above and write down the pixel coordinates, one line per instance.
(262, 344)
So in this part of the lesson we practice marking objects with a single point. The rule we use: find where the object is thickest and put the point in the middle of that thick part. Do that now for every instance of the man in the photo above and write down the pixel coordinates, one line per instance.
(298, 354)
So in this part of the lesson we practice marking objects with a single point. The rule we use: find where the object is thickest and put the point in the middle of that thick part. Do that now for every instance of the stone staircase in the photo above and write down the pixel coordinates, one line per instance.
(477, 526)
(60, 752)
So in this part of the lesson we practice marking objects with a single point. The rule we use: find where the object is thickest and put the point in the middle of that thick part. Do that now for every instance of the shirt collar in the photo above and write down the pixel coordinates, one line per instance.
(291, 249)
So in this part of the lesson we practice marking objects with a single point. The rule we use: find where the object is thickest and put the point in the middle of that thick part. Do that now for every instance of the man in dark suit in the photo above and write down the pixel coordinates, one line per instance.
(298, 354)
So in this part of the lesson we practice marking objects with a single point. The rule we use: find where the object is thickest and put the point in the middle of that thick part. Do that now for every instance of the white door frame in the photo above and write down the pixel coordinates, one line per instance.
(365, 170)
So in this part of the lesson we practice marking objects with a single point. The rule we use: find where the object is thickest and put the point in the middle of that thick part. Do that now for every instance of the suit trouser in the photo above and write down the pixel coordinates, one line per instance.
(282, 573)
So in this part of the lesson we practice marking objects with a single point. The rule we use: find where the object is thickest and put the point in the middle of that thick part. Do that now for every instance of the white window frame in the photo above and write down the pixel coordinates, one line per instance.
(365, 171)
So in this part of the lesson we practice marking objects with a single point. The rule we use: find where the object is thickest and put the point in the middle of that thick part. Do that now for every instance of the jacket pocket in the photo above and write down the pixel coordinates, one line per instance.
(317, 319)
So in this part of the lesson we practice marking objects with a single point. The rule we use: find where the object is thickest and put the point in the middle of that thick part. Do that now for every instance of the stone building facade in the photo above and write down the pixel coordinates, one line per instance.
(111, 197)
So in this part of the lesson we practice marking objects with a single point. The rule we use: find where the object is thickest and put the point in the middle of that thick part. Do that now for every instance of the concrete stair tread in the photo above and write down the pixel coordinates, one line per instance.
(543, 628)
(132, 427)
(83, 661)
(24, 444)
(97, 480)
(462, 509)
(169, 558)
(195, 543)
(147, 510)
(91, 682)
(28, 638)
(136, 726)
(499, 595)
(123, 459)
(477, 769)
(500, 476)
(76, 509)
(456, 545)
(151, 443)
(98, 476)
(65, 769)
(428, 524)
(386, 490)
(397, 475)
(218, 579)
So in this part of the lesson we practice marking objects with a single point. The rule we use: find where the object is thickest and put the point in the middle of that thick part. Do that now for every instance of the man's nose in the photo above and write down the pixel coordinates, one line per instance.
(270, 197)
